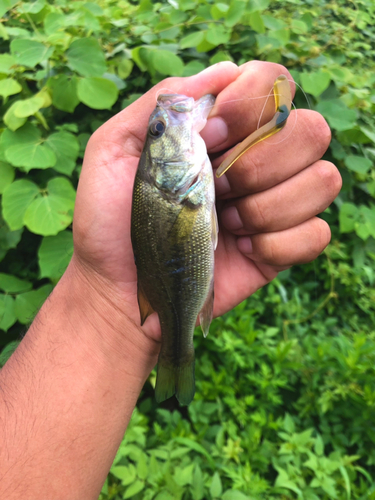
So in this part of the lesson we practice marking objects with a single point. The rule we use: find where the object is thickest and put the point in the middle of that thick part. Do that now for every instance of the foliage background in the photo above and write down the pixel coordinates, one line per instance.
(285, 383)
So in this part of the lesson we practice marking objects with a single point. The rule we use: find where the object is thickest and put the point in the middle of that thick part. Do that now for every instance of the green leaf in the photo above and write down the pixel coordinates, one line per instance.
(51, 212)
(8, 239)
(29, 52)
(23, 148)
(348, 215)
(97, 93)
(339, 116)
(6, 63)
(9, 348)
(235, 12)
(28, 304)
(365, 225)
(66, 148)
(288, 424)
(32, 7)
(124, 473)
(133, 489)
(192, 68)
(9, 86)
(198, 484)
(7, 314)
(6, 175)
(142, 466)
(86, 57)
(217, 34)
(256, 22)
(319, 445)
(234, 495)
(298, 26)
(358, 164)
(6, 5)
(54, 255)
(167, 63)
(16, 198)
(12, 121)
(125, 68)
(64, 92)
(30, 155)
(216, 487)
(283, 481)
(28, 107)
(12, 284)
(139, 57)
(191, 40)
(53, 22)
(193, 445)
(315, 83)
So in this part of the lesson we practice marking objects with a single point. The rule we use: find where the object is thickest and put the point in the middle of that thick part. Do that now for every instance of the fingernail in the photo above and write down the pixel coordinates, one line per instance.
(231, 219)
(245, 245)
(215, 132)
(222, 185)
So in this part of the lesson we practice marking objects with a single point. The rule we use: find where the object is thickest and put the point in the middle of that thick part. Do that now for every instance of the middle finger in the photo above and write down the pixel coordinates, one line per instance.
(311, 190)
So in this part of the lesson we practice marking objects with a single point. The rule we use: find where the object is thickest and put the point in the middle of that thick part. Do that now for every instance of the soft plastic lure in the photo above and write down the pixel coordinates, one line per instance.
(283, 103)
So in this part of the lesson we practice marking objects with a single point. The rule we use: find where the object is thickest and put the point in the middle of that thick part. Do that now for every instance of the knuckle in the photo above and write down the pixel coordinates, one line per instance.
(255, 214)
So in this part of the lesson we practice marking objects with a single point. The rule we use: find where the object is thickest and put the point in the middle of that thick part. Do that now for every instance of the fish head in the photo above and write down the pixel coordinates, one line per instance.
(174, 147)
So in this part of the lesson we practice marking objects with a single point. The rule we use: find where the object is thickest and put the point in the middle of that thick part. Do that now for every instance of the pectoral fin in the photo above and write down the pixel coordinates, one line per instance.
(205, 315)
(144, 306)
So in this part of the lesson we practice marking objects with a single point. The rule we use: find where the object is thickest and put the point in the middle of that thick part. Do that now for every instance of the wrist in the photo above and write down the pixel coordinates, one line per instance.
(95, 310)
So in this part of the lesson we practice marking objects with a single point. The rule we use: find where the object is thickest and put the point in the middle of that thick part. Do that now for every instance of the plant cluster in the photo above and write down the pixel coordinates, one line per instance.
(285, 382)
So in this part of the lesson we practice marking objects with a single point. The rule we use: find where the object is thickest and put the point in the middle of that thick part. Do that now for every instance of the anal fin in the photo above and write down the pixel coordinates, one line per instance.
(144, 306)
(206, 313)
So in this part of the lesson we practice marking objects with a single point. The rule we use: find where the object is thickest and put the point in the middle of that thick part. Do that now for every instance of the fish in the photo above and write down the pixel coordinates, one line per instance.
(174, 233)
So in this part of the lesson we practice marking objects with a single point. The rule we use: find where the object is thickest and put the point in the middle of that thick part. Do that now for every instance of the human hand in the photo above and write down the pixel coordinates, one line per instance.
(267, 202)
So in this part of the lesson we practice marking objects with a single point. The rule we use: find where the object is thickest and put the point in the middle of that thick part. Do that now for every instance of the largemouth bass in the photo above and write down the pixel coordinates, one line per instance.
(174, 234)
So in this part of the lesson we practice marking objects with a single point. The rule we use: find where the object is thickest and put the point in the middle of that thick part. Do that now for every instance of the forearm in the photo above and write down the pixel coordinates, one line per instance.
(67, 394)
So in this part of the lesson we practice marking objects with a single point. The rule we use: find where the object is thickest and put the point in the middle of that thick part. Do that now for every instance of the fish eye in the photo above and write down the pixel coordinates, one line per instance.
(157, 129)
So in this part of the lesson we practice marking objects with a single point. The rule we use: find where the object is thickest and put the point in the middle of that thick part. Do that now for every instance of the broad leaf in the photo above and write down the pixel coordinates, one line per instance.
(86, 57)
(167, 63)
(16, 198)
(29, 52)
(315, 83)
(9, 86)
(27, 304)
(6, 175)
(66, 149)
(7, 63)
(192, 40)
(97, 93)
(7, 312)
(54, 255)
(12, 284)
(339, 116)
(64, 92)
(358, 164)
(51, 212)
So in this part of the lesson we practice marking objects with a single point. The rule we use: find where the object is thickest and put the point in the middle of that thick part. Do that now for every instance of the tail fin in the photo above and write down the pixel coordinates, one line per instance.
(179, 380)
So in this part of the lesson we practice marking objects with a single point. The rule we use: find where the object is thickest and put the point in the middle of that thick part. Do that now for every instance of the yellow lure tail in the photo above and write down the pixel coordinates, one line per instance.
(283, 103)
